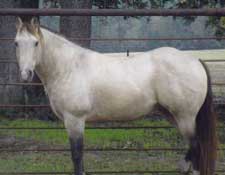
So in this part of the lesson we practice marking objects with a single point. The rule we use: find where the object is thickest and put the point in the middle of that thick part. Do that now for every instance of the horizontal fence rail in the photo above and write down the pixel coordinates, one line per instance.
(96, 172)
(40, 84)
(100, 172)
(102, 149)
(97, 149)
(23, 106)
(113, 12)
(140, 39)
(208, 60)
(48, 106)
(95, 127)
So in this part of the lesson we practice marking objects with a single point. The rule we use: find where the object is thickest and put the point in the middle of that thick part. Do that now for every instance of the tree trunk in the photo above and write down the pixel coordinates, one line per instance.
(8, 71)
(76, 26)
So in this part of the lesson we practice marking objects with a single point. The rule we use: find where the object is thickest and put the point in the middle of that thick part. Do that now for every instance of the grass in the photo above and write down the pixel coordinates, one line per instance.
(45, 162)
(99, 138)
(95, 138)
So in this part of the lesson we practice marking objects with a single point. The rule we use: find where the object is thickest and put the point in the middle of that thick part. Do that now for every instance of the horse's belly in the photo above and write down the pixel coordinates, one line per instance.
(122, 107)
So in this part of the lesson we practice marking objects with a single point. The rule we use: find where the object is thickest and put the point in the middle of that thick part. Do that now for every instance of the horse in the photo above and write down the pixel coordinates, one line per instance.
(83, 85)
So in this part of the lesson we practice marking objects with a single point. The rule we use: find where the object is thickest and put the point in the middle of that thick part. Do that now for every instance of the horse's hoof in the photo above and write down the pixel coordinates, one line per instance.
(196, 172)
(184, 166)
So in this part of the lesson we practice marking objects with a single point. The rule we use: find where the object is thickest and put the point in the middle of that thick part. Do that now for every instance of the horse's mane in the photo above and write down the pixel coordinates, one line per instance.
(62, 36)
(53, 31)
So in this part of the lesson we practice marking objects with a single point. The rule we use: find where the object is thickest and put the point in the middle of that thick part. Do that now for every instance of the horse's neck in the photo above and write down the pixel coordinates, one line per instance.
(59, 57)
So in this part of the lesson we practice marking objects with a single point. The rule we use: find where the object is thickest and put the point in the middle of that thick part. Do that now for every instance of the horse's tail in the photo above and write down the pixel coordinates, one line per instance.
(206, 132)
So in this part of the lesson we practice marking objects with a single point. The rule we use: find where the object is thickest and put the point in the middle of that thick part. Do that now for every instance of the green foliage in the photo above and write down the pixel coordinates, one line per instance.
(217, 23)
(136, 4)
(120, 4)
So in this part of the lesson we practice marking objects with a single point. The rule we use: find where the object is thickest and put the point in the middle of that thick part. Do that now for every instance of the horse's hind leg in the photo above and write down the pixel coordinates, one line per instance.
(185, 122)
(191, 159)
(190, 162)
(192, 155)
(186, 125)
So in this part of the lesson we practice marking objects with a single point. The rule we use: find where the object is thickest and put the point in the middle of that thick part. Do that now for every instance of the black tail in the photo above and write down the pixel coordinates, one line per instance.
(206, 133)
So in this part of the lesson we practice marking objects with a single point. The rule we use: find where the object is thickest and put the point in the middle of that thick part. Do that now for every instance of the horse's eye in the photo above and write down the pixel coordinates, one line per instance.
(36, 43)
(16, 43)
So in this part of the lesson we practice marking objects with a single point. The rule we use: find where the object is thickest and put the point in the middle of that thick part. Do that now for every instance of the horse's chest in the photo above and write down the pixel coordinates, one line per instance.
(72, 98)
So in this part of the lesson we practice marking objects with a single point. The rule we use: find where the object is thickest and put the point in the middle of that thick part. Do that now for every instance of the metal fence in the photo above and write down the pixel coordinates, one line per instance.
(103, 12)
(115, 12)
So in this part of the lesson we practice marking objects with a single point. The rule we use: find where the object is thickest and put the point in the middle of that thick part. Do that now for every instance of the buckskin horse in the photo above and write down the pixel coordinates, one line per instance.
(84, 85)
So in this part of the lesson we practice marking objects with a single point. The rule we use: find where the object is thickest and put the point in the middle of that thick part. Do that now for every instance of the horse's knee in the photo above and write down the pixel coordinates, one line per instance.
(74, 125)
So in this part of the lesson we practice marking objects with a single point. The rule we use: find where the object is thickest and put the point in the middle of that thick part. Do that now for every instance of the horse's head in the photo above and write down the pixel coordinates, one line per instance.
(28, 42)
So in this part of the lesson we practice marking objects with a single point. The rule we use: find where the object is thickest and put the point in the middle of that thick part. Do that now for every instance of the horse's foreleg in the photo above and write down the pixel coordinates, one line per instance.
(75, 129)
(77, 154)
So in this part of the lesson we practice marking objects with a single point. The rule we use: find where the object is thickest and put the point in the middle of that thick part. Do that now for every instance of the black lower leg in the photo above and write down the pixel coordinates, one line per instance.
(188, 155)
(193, 154)
(77, 154)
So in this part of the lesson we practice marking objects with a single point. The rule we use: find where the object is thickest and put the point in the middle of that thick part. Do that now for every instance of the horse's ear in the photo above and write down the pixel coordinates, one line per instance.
(35, 22)
(19, 23)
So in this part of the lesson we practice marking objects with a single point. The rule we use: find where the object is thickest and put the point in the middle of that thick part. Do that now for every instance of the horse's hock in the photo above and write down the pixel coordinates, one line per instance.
(32, 139)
